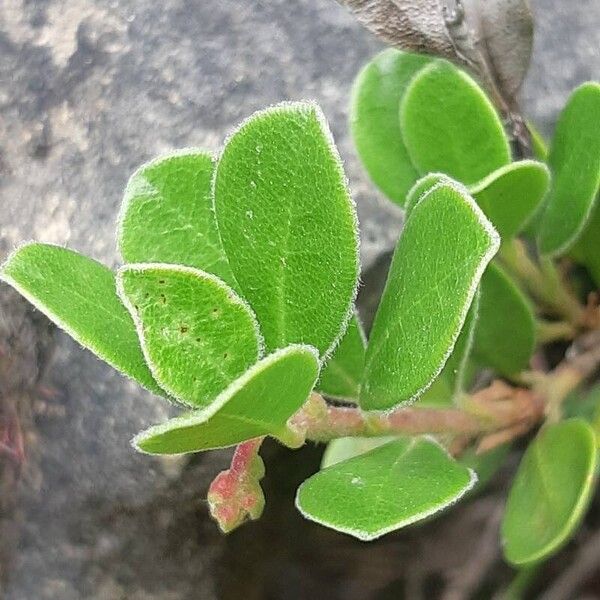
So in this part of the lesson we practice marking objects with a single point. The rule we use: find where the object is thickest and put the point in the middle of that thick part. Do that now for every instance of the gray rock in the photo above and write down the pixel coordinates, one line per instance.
(90, 90)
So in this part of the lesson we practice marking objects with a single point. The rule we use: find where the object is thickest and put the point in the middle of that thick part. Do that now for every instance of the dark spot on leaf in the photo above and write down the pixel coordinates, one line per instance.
(163, 298)
(161, 281)
(226, 355)
(183, 328)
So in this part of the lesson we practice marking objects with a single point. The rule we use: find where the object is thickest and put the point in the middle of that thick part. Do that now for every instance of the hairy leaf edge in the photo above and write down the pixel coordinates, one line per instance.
(365, 536)
(198, 417)
(141, 267)
(306, 106)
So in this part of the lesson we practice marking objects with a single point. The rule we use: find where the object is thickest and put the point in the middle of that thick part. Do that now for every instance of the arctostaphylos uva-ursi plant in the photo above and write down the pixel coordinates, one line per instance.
(236, 302)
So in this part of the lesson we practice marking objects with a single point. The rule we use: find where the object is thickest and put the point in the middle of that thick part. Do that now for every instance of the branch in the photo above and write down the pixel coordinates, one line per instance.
(235, 494)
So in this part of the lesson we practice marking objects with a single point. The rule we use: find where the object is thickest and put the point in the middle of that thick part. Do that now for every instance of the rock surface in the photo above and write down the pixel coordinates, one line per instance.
(89, 90)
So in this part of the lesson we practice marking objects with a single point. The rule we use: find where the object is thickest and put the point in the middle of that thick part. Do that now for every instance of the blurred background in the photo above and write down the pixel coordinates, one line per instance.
(89, 90)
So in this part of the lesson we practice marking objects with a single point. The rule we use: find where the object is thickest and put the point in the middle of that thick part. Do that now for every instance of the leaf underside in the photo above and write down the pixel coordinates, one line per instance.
(422, 311)
(197, 334)
(259, 403)
(394, 485)
(550, 493)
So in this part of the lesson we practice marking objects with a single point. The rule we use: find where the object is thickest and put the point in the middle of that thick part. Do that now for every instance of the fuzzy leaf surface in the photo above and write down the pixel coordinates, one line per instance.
(575, 164)
(421, 187)
(505, 333)
(375, 121)
(288, 225)
(450, 126)
(428, 293)
(259, 403)
(341, 376)
(550, 493)
(342, 449)
(196, 333)
(79, 295)
(511, 195)
(167, 215)
(450, 383)
(394, 485)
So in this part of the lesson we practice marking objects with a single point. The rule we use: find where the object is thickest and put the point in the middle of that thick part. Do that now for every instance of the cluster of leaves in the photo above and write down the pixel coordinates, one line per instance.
(236, 297)
(416, 122)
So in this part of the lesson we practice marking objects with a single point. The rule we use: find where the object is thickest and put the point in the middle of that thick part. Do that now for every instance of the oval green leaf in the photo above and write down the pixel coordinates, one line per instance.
(341, 376)
(288, 225)
(575, 165)
(388, 488)
(423, 310)
(550, 493)
(79, 295)
(196, 333)
(375, 122)
(449, 125)
(167, 215)
(511, 195)
(505, 333)
(259, 403)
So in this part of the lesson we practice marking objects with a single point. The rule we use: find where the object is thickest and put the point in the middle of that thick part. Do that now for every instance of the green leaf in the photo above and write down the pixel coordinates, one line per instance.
(485, 465)
(550, 493)
(575, 164)
(341, 376)
(342, 449)
(167, 215)
(450, 126)
(421, 187)
(385, 489)
(505, 333)
(375, 122)
(510, 196)
(444, 248)
(450, 383)
(79, 295)
(289, 226)
(259, 403)
(196, 333)
(587, 248)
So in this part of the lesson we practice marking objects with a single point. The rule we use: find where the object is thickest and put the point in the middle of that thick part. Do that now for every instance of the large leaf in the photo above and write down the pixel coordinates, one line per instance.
(511, 195)
(80, 296)
(375, 120)
(196, 333)
(450, 126)
(259, 403)
(505, 333)
(550, 492)
(341, 376)
(575, 164)
(385, 489)
(444, 248)
(289, 226)
(167, 215)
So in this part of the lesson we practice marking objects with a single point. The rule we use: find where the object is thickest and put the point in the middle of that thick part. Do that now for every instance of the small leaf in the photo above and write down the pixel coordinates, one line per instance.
(259, 403)
(505, 333)
(423, 310)
(341, 376)
(375, 121)
(196, 333)
(342, 449)
(449, 384)
(392, 486)
(575, 165)
(550, 493)
(510, 196)
(79, 295)
(167, 215)
(289, 226)
(450, 126)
